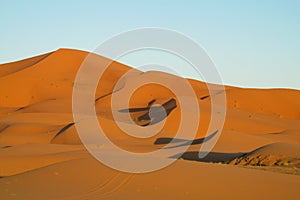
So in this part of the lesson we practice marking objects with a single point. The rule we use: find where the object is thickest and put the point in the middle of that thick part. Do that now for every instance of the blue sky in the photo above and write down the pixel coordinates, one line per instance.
(253, 43)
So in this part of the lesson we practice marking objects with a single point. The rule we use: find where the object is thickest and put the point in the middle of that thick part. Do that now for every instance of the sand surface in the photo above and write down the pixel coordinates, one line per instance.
(42, 157)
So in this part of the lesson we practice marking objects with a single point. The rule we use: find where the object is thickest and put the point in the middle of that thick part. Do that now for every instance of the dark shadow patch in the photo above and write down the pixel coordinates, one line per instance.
(215, 157)
(98, 98)
(64, 129)
(36, 103)
(275, 133)
(5, 147)
(208, 96)
(204, 97)
(105, 95)
(151, 102)
(159, 113)
(129, 110)
(185, 142)
(164, 140)
(3, 127)
(21, 108)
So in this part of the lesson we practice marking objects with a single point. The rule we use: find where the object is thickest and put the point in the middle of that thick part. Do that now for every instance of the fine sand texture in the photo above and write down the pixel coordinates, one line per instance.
(257, 155)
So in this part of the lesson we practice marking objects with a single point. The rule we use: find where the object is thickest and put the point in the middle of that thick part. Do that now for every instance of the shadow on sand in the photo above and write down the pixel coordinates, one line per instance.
(215, 157)
(158, 113)
(184, 142)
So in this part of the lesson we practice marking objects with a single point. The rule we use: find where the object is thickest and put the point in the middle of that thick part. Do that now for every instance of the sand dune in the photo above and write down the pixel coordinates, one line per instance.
(279, 154)
(42, 156)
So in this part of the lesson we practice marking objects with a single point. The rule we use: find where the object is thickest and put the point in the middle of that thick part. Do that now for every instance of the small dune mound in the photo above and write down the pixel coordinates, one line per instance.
(276, 154)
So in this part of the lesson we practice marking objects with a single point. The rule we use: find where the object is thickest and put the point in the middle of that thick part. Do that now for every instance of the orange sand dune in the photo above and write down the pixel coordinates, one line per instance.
(42, 156)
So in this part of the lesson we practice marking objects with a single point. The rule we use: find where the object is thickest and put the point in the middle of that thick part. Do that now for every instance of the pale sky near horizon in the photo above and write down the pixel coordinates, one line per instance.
(253, 43)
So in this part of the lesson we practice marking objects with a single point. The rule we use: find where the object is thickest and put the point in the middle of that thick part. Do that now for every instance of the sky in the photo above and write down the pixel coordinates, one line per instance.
(253, 43)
